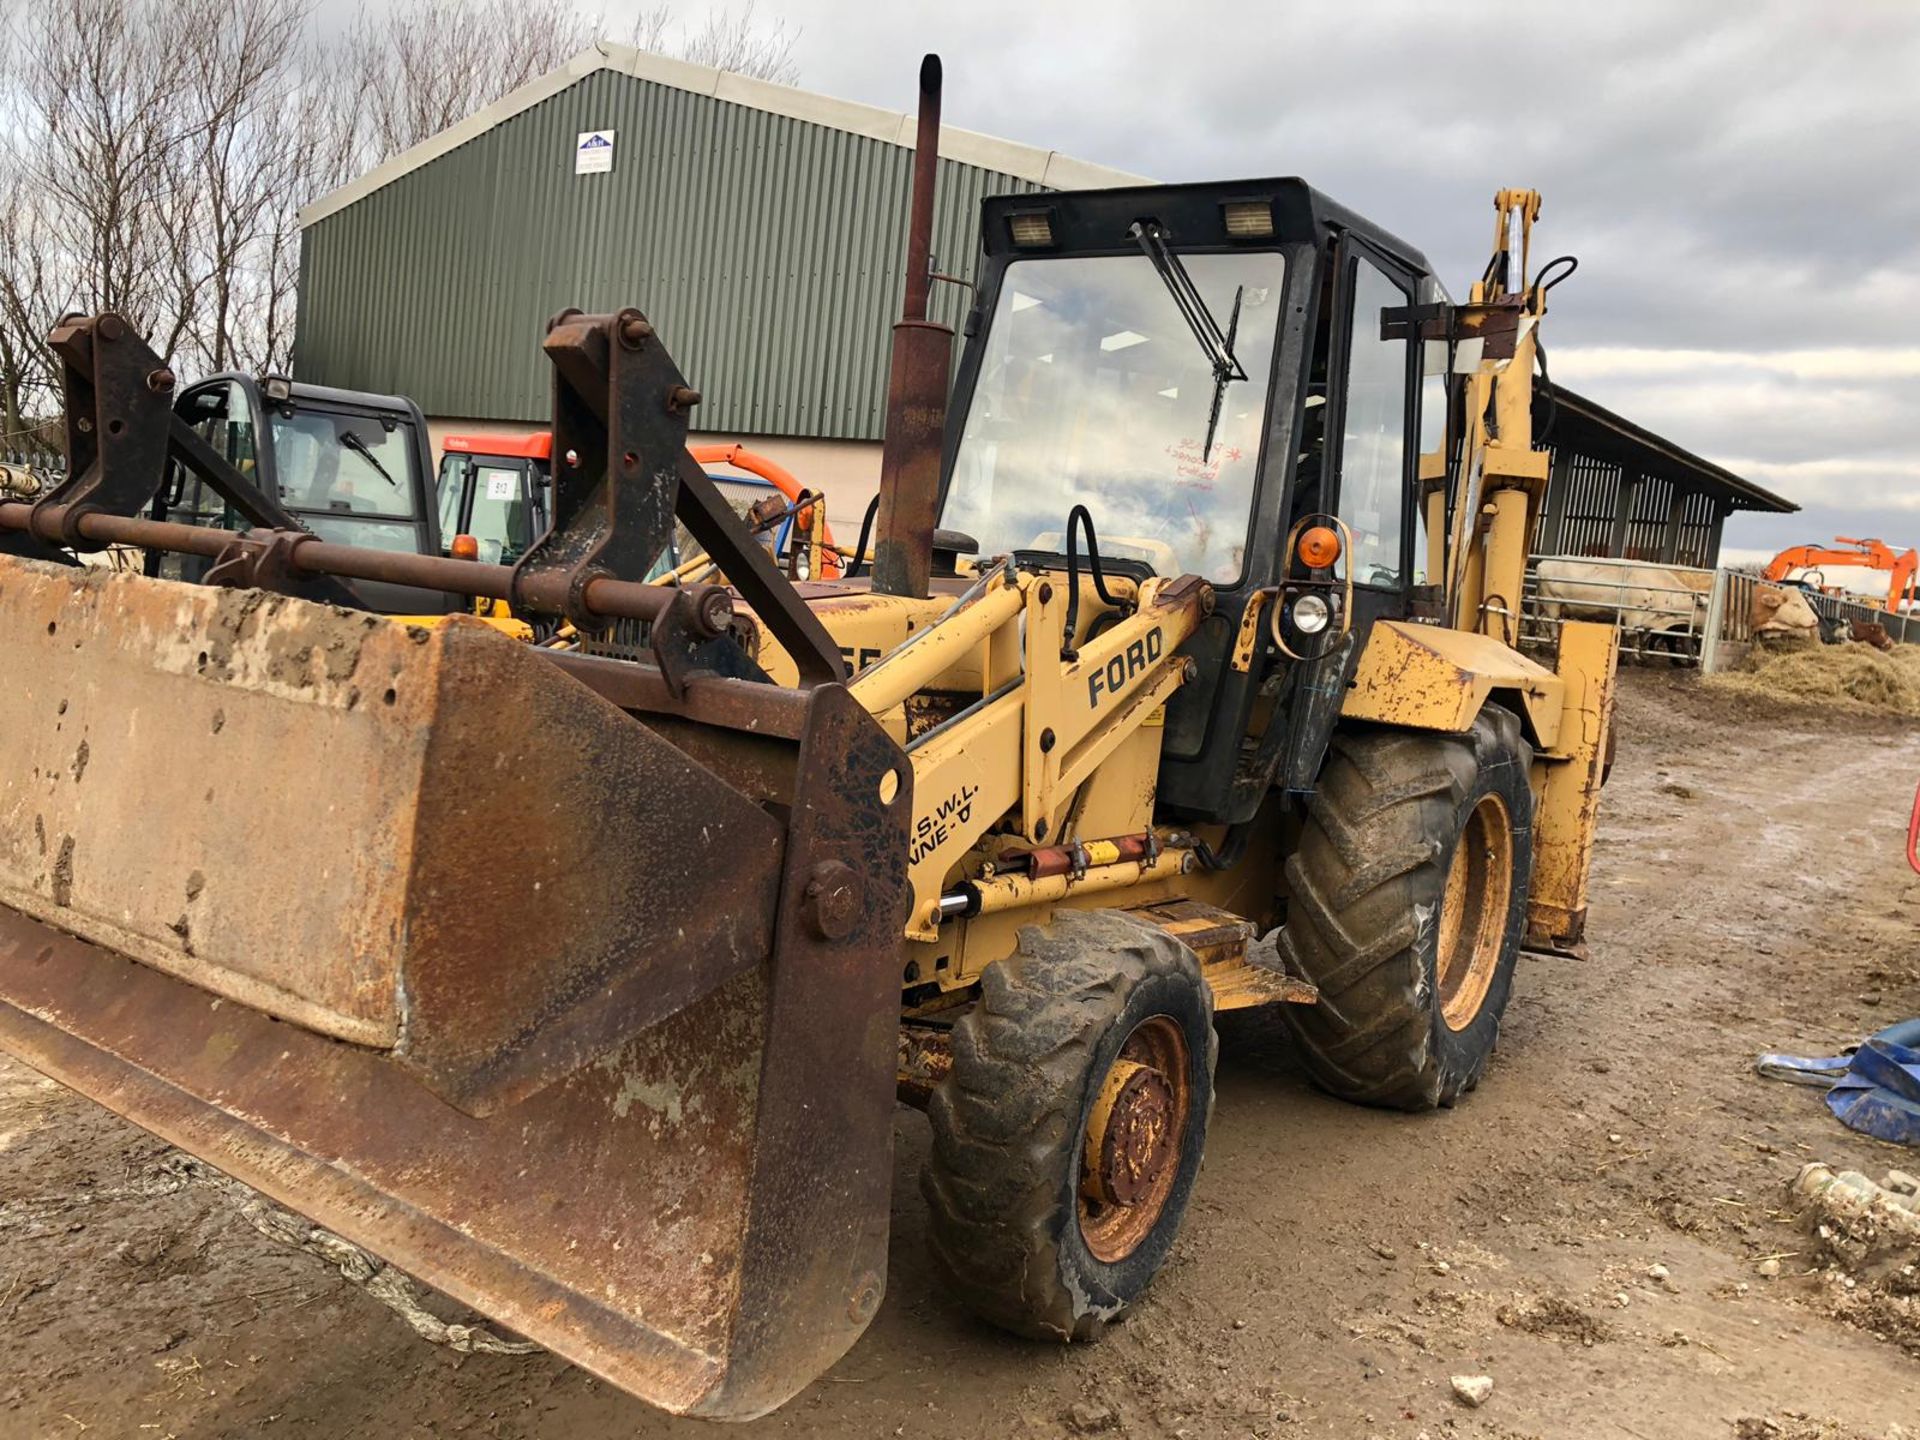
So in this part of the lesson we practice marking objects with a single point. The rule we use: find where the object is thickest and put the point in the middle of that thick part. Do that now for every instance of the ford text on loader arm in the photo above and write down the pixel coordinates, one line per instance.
(1207, 677)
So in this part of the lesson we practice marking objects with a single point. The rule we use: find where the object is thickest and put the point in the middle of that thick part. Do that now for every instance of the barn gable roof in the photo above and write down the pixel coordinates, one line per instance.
(1047, 168)
(1596, 430)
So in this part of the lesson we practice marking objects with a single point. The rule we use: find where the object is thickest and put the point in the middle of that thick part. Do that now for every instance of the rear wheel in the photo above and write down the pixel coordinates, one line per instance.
(1407, 903)
(1068, 1135)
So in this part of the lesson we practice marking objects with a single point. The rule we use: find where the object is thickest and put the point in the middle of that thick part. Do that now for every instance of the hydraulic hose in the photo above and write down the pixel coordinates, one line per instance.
(1232, 846)
(1076, 517)
(866, 534)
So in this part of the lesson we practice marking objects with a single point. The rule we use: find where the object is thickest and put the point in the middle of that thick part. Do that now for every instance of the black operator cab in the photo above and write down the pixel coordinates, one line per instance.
(1202, 367)
(353, 468)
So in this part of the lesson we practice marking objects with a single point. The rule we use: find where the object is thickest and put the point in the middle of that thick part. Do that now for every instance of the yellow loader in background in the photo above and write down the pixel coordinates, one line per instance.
(583, 988)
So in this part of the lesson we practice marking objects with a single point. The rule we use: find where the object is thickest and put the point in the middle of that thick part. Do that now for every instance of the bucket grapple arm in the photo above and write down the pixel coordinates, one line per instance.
(622, 474)
(121, 436)
(568, 985)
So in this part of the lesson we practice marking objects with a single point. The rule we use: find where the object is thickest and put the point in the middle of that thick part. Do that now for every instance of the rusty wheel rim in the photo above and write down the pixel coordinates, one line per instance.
(1135, 1136)
(1473, 912)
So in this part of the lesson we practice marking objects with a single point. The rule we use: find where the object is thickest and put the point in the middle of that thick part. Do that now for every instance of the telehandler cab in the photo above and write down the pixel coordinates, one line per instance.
(608, 1045)
(351, 467)
(494, 489)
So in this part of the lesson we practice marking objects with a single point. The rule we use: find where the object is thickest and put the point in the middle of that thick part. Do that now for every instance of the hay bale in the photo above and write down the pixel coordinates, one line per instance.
(1848, 676)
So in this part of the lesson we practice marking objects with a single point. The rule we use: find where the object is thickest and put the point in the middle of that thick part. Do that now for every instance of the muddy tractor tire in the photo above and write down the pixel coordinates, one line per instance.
(1068, 1135)
(1407, 903)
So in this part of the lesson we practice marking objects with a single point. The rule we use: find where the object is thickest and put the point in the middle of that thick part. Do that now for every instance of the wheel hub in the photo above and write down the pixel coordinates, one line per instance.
(1136, 1139)
(1133, 1141)
(1473, 912)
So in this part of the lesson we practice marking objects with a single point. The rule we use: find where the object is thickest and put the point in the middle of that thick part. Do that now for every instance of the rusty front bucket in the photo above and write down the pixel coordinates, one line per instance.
(426, 939)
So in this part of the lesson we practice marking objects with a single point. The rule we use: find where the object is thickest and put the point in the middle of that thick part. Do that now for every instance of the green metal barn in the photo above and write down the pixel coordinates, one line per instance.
(759, 226)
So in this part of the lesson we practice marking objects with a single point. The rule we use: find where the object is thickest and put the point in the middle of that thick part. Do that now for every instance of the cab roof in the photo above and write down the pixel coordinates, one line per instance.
(300, 391)
(1194, 216)
(538, 446)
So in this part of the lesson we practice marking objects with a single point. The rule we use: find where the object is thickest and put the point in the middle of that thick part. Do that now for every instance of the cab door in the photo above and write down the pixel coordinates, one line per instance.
(1373, 434)
(499, 500)
(1370, 468)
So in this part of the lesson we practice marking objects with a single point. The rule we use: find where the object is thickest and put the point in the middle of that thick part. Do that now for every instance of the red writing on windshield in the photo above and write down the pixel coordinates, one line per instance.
(1189, 464)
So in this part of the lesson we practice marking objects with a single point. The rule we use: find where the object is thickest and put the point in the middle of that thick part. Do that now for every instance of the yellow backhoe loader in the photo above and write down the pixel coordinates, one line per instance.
(583, 988)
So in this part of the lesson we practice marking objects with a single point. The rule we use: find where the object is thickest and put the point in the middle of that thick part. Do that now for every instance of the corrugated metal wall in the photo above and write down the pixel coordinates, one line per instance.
(766, 250)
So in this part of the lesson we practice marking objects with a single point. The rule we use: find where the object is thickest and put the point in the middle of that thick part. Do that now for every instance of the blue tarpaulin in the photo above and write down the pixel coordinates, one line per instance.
(1880, 1093)
(1874, 1088)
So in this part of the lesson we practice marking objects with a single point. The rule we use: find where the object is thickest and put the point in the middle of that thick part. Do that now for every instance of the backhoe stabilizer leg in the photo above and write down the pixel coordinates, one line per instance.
(1567, 788)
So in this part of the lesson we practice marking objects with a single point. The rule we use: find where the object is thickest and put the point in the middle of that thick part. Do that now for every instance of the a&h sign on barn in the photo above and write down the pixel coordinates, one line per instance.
(593, 152)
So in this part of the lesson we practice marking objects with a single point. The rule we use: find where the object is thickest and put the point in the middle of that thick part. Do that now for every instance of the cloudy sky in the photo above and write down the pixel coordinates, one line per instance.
(1738, 180)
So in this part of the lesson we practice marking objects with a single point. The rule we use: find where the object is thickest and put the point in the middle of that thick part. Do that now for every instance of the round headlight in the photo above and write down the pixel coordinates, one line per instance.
(1310, 614)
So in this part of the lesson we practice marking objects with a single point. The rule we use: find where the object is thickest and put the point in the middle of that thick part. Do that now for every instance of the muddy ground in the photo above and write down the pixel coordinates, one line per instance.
(1339, 1265)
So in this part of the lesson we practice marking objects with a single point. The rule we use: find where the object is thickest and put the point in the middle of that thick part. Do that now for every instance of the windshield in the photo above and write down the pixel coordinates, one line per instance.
(1093, 392)
(399, 536)
(500, 521)
(334, 463)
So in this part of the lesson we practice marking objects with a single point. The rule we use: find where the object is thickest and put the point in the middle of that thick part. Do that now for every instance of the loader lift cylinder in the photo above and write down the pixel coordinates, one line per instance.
(916, 385)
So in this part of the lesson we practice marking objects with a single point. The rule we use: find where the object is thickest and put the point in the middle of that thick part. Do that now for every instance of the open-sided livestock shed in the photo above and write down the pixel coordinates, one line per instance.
(1616, 489)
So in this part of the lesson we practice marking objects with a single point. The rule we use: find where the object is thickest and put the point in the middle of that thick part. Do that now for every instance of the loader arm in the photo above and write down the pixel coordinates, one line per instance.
(1015, 757)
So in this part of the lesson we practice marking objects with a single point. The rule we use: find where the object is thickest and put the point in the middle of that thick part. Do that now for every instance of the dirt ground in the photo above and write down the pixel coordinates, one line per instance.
(1339, 1265)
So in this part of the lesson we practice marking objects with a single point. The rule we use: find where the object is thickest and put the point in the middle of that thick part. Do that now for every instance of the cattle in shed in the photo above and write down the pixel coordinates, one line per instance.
(1656, 606)
(1869, 632)
(1783, 614)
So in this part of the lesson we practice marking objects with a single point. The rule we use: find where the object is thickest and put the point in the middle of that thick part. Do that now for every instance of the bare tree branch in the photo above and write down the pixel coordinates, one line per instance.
(154, 153)
(425, 65)
(738, 42)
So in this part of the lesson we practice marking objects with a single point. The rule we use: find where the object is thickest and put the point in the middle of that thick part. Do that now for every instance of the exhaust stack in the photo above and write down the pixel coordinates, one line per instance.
(916, 385)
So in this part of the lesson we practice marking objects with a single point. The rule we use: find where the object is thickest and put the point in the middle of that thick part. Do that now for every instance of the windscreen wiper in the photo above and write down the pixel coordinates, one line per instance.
(350, 440)
(1215, 344)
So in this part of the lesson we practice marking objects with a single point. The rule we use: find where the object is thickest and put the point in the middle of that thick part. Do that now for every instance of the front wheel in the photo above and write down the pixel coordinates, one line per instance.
(1407, 901)
(1068, 1135)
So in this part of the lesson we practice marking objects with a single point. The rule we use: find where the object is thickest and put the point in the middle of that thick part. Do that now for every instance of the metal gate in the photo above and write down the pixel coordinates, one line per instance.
(1661, 610)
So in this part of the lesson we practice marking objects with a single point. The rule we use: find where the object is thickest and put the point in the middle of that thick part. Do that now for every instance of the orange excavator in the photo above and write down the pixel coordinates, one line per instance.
(1868, 554)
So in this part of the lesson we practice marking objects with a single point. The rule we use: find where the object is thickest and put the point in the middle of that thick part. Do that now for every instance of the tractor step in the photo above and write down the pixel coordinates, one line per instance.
(1220, 939)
